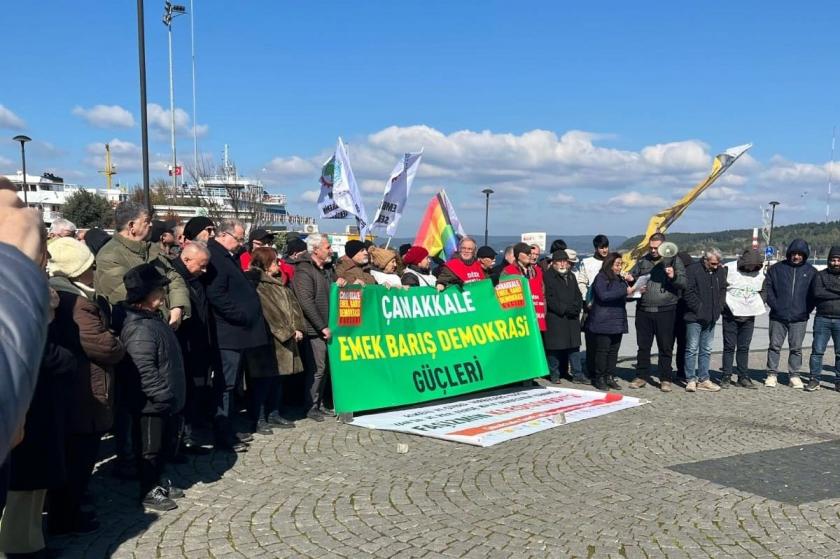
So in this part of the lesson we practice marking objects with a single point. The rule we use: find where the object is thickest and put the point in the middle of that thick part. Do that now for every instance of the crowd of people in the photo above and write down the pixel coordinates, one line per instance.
(161, 332)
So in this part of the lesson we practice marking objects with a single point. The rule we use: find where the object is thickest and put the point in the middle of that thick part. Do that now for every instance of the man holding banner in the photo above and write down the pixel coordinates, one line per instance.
(526, 265)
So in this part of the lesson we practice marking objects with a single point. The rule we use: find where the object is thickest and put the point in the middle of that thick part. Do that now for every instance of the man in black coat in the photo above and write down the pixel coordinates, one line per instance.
(705, 295)
(194, 336)
(825, 294)
(564, 304)
(237, 319)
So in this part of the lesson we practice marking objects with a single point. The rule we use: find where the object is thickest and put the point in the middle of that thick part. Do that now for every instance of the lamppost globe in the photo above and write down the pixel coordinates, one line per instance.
(23, 139)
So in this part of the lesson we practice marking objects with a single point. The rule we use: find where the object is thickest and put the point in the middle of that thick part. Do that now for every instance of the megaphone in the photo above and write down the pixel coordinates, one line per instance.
(668, 250)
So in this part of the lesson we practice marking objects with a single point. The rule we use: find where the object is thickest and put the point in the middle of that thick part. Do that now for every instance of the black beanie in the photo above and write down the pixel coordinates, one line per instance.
(196, 225)
(486, 252)
(295, 246)
(834, 252)
(352, 248)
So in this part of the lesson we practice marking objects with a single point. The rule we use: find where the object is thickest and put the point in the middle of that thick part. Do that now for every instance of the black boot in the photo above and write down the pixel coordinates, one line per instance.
(744, 381)
(601, 383)
(725, 380)
(612, 383)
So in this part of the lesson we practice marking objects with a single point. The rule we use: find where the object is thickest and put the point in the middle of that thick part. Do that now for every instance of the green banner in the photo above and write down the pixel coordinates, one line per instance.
(392, 347)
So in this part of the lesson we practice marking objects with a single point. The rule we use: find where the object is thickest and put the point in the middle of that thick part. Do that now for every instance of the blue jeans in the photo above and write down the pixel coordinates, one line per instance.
(698, 350)
(824, 328)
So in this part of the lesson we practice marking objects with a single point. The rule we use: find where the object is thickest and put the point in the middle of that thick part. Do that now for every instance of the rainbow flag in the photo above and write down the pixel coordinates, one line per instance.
(440, 229)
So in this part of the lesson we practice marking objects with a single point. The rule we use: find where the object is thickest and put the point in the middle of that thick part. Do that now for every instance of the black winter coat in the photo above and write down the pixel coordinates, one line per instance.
(564, 303)
(705, 293)
(608, 314)
(787, 286)
(155, 365)
(194, 334)
(234, 304)
(825, 294)
(38, 462)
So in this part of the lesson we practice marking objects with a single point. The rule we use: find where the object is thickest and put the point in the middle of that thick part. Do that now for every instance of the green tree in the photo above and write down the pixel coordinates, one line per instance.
(86, 209)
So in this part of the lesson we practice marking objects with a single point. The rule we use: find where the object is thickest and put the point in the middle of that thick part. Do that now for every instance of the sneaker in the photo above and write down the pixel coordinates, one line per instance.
(708, 386)
(637, 382)
(157, 500)
(725, 380)
(612, 383)
(813, 385)
(770, 381)
(666, 386)
(796, 382)
(279, 422)
(171, 490)
(691, 386)
(746, 382)
(315, 415)
(580, 378)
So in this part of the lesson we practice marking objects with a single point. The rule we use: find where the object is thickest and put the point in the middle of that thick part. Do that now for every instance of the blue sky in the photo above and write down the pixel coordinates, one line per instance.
(583, 118)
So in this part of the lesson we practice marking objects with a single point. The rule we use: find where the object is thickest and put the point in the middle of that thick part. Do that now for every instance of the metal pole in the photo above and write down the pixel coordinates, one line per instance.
(25, 185)
(772, 219)
(486, 217)
(194, 117)
(487, 192)
(172, 111)
(144, 122)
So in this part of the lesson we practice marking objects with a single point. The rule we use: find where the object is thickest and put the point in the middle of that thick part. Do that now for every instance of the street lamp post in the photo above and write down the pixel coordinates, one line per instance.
(23, 139)
(144, 121)
(773, 205)
(487, 192)
(170, 12)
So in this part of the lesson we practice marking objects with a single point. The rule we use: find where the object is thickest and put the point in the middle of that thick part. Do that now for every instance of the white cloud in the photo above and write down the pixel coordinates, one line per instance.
(105, 116)
(561, 199)
(160, 121)
(635, 199)
(8, 119)
(310, 196)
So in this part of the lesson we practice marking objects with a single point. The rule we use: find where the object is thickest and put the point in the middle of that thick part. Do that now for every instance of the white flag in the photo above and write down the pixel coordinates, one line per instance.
(396, 194)
(340, 197)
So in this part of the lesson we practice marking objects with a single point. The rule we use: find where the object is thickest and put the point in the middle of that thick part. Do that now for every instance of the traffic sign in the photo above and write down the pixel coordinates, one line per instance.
(769, 251)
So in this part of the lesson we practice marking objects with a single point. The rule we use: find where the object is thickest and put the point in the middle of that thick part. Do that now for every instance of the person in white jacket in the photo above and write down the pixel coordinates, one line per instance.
(384, 267)
(744, 301)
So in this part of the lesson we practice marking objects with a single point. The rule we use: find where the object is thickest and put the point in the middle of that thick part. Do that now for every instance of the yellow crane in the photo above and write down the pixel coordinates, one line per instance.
(110, 170)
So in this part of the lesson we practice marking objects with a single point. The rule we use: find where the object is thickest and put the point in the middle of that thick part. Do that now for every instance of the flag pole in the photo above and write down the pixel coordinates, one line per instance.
(388, 242)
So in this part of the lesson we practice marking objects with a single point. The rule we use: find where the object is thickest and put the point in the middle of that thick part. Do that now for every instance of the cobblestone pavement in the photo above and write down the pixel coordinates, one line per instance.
(598, 488)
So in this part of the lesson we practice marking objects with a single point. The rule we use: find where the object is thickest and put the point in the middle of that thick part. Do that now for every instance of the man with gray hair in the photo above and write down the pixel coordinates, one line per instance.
(61, 228)
(237, 318)
(311, 284)
(705, 295)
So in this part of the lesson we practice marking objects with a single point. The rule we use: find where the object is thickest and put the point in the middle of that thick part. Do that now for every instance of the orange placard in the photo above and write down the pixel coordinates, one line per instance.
(349, 307)
(510, 295)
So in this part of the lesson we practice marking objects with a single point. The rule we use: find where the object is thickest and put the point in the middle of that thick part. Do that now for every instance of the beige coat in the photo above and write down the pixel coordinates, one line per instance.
(283, 316)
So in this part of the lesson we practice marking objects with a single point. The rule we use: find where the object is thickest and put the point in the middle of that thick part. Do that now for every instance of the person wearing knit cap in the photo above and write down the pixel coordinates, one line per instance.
(384, 266)
(404, 248)
(351, 266)
(199, 228)
(417, 273)
(95, 239)
(70, 258)
(525, 266)
(295, 248)
(564, 303)
(163, 233)
(744, 302)
(82, 328)
(825, 293)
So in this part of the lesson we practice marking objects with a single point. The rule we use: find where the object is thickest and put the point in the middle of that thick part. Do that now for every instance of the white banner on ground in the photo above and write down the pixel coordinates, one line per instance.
(500, 416)
(396, 194)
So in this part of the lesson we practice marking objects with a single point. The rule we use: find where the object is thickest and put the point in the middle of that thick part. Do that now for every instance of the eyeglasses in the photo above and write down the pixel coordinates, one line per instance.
(239, 240)
(467, 249)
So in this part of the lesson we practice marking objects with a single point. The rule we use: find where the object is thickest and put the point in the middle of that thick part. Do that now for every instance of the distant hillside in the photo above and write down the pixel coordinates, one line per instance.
(820, 236)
